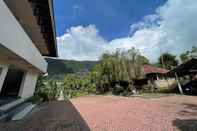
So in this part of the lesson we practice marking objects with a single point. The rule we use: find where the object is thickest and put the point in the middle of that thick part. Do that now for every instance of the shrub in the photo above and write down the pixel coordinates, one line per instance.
(47, 88)
(72, 86)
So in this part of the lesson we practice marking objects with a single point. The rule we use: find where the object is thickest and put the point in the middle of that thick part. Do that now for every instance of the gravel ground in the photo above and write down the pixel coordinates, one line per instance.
(111, 113)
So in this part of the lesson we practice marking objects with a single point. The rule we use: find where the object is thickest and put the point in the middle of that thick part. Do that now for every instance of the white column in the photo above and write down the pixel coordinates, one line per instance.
(3, 73)
(28, 84)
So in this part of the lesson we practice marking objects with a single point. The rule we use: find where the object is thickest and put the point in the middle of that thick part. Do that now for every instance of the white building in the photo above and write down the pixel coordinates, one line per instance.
(27, 33)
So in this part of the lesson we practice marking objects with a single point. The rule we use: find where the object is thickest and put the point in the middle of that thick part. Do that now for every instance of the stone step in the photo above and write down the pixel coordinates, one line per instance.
(9, 110)
(22, 113)
(7, 107)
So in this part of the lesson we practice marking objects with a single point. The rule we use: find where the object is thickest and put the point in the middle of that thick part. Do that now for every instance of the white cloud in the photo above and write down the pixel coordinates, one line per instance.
(81, 43)
(172, 29)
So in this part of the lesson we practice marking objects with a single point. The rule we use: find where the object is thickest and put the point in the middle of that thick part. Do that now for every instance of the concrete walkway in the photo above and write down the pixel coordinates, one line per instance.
(111, 113)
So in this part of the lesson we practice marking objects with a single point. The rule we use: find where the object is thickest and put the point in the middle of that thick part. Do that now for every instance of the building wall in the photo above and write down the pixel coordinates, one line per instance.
(14, 39)
(17, 48)
(169, 83)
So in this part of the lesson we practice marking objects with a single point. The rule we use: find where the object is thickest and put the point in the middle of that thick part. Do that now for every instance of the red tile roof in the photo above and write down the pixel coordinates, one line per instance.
(151, 69)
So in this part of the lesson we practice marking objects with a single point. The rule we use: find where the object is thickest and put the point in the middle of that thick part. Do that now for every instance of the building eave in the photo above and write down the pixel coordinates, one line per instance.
(44, 12)
(55, 54)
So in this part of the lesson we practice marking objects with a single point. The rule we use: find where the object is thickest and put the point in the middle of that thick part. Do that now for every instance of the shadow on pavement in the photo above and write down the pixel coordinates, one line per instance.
(186, 124)
(50, 116)
(190, 110)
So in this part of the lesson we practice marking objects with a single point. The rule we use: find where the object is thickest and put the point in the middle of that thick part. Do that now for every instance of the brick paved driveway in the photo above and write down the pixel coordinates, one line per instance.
(111, 113)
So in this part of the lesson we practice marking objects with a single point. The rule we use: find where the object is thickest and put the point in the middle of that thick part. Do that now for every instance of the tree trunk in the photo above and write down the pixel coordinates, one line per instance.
(179, 85)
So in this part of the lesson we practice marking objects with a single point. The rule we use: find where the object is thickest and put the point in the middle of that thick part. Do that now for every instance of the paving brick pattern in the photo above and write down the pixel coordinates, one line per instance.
(111, 113)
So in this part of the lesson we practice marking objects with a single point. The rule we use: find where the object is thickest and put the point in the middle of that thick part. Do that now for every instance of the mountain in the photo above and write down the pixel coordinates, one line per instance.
(61, 67)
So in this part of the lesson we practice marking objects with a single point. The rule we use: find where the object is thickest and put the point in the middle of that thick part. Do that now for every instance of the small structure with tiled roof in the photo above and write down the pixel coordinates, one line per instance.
(154, 72)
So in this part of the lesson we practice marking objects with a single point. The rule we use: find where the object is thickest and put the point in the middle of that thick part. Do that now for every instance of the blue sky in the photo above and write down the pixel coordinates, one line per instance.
(112, 17)
(88, 28)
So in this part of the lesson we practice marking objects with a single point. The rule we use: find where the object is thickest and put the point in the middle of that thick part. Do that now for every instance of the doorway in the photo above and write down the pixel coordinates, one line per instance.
(12, 82)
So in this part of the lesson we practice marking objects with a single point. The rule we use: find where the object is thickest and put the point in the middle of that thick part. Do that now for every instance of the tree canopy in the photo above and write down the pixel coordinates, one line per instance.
(168, 61)
(119, 66)
(189, 54)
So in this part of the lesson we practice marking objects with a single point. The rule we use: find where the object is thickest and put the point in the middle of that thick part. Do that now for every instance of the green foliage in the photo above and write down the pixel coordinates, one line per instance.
(168, 61)
(184, 57)
(75, 86)
(74, 65)
(72, 85)
(58, 67)
(120, 66)
(189, 54)
(47, 88)
(144, 60)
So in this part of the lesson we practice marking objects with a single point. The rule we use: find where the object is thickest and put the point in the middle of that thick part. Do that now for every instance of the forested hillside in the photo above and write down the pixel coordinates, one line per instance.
(61, 67)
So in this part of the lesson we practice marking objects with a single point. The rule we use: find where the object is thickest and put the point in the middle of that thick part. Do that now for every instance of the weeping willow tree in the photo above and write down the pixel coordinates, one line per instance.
(125, 66)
